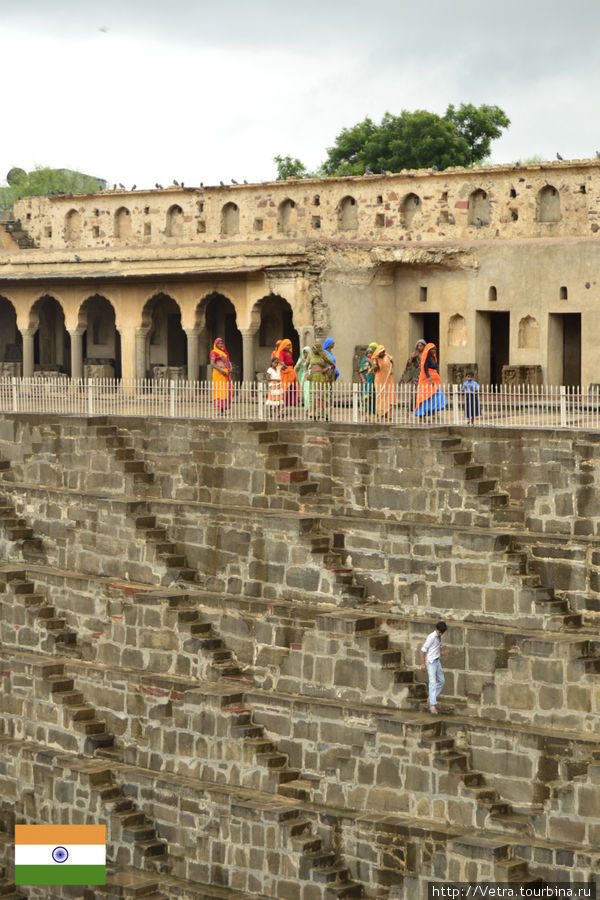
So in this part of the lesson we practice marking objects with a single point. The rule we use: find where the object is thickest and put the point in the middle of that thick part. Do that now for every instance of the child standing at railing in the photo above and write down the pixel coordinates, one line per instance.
(275, 400)
(470, 389)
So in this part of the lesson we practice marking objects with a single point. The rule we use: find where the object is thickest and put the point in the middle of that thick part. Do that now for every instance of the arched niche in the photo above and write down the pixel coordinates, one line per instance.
(72, 226)
(479, 208)
(51, 340)
(287, 216)
(457, 331)
(230, 219)
(410, 209)
(174, 223)
(216, 316)
(529, 333)
(11, 343)
(348, 214)
(166, 341)
(101, 342)
(548, 204)
(276, 323)
(122, 223)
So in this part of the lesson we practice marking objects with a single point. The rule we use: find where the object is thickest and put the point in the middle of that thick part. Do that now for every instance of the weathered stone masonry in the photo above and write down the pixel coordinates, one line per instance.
(209, 640)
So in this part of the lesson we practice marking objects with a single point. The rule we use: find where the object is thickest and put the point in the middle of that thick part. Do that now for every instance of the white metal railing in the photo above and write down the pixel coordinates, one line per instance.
(522, 406)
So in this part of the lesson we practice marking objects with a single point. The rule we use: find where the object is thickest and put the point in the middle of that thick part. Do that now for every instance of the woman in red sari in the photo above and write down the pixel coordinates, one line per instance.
(430, 397)
(221, 375)
(289, 379)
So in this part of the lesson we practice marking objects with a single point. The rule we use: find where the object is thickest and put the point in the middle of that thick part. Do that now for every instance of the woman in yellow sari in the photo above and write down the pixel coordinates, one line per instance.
(221, 375)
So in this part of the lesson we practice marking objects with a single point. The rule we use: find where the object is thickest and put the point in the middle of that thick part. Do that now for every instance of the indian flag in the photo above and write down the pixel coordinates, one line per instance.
(60, 854)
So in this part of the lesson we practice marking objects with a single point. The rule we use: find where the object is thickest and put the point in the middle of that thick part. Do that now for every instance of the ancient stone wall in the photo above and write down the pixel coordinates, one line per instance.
(210, 640)
(538, 200)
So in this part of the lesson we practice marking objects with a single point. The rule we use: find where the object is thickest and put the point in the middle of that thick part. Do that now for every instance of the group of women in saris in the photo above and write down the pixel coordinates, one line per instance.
(308, 382)
(377, 381)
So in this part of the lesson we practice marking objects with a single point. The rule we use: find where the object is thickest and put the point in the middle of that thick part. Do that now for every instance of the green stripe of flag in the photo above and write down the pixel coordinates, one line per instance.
(60, 874)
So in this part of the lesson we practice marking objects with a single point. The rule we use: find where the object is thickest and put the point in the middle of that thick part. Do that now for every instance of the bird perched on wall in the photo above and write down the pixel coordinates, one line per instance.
(77, 258)
(114, 187)
(222, 183)
(181, 184)
(434, 168)
(368, 170)
(159, 186)
(122, 186)
(233, 181)
(245, 182)
(597, 154)
(479, 222)
(175, 182)
(134, 187)
(558, 156)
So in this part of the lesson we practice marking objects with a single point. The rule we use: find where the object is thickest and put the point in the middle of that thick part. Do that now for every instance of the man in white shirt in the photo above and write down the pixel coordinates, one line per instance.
(431, 652)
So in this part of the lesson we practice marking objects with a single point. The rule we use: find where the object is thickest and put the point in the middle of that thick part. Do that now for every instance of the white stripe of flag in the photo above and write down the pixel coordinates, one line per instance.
(41, 854)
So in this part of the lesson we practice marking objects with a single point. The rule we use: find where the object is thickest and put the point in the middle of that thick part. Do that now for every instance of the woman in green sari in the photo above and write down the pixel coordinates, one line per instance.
(321, 372)
(301, 368)
(367, 379)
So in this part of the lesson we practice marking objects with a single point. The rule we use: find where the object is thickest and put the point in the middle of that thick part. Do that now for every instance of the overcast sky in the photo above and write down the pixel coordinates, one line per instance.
(140, 91)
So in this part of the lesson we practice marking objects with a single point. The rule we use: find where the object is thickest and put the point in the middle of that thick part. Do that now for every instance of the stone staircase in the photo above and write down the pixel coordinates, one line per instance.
(19, 539)
(259, 749)
(203, 639)
(534, 595)
(55, 635)
(21, 237)
(130, 826)
(491, 505)
(167, 553)
(139, 479)
(78, 716)
(287, 485)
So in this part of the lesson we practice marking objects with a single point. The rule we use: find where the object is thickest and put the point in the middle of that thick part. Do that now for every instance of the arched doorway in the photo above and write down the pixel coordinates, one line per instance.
(11, 342)
(220, 320)
(166, 341)
(51, 341)
(101, 342)
(276, 322)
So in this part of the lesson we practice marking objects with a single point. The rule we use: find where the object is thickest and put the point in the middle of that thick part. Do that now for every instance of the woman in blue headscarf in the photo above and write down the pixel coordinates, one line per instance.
(328, 345)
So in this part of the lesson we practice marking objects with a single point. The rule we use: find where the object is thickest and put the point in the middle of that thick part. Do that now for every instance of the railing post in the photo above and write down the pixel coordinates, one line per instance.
(172, 399)
(15, 396)
(455, 404)
(355, 402)
(90, 397)
(261, 401)
(563, 406)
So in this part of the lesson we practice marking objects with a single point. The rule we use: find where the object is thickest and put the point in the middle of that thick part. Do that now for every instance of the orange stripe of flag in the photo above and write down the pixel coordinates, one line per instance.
(60, 834)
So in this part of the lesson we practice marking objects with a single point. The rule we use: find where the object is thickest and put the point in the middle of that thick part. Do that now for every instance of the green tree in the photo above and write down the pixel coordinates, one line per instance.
(289, 167)
(45, 180)
(415, 140)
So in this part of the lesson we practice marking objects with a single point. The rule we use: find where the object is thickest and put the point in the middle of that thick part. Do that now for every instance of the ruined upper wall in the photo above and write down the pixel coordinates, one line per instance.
(551, 199)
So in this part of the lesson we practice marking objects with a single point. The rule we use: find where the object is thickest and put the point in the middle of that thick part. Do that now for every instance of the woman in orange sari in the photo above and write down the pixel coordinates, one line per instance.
(430, 398)
(385, 392)
(221, 375)
(289, 379)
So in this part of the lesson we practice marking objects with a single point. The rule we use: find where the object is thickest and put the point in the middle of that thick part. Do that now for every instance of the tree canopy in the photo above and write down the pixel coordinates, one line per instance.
(412, 140)
(45, 180)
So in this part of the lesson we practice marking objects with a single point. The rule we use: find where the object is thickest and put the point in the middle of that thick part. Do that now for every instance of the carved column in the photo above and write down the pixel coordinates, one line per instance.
(140, 352)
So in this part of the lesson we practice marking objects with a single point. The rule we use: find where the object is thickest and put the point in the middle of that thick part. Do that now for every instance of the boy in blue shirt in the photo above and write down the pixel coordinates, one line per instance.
(470, 388)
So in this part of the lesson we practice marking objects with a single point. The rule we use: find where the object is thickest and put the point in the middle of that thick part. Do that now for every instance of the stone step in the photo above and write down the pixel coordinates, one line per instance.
(23, 586)
(334, 873)
(387, 659)
(60, 684)
(272, 760)
(81, 713)
(96, 741)
(291, 476)
(124, 453)
(473, 472)
(297, 790)
(152, 847)
(36, 601)
(69, 698)
(134, 466)
(89, 727)
(171, 560)
(344, 890)
(200, 628)
(485, 486)
(451, 762)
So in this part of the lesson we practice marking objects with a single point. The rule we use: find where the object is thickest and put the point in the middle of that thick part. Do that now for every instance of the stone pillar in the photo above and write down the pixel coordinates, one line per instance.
(128, 344)
(140, 352)
(76, 353)
(192, 354)
(28, 354)
(248, 354)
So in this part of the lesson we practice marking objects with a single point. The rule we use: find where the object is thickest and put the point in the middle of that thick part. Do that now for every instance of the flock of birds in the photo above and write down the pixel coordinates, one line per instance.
(160, 187)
